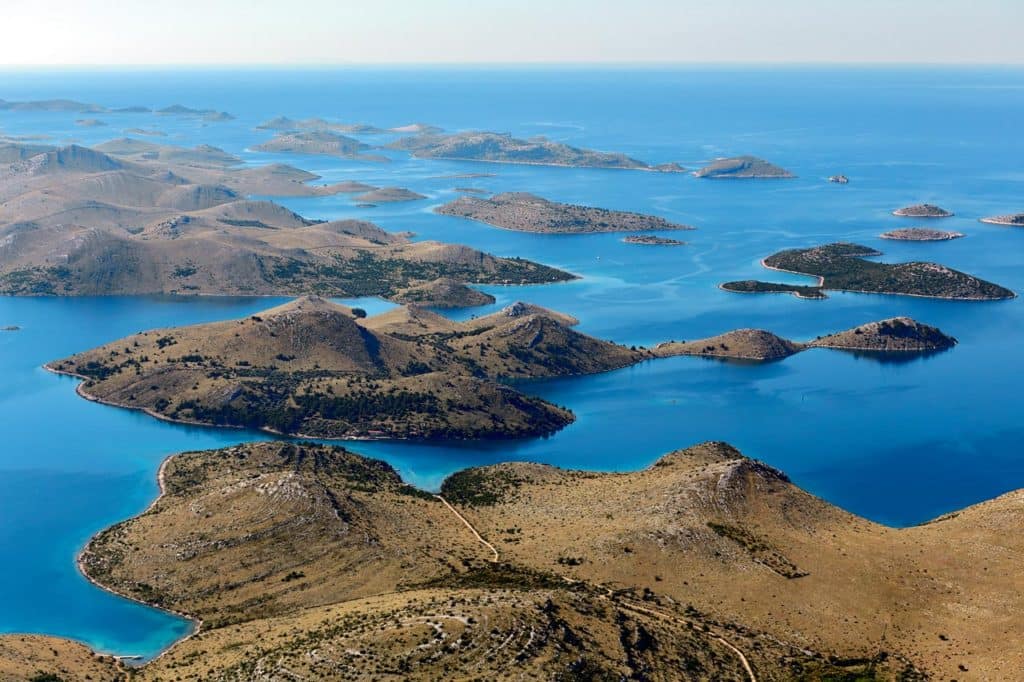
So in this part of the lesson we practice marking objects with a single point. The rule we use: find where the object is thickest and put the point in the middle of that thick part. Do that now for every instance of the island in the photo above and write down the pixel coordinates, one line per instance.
(922, 211)
(503, 148)
(920, 234)
(148, 219)
(146, 132)
(387, 195)
(285, 124)
(90, 123)
(844, 267)
(530, 213)
(894, 335)
(318, 142)
(839, 179)
(205, 114)
(10, 328)
(753, 286)
(313, 562)
(1013, 220)
(443, 292)
(651, 240)
(742, 167)
(318, 369)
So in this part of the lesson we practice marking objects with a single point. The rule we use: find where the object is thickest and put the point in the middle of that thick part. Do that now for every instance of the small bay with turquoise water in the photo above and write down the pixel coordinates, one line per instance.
(897, 441)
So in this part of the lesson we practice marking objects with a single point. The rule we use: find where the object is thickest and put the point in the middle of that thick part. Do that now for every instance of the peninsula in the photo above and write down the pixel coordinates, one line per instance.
(1013, 220)
(742, 167)
(529, 213)
(843, 267)
(148, 218)
(898, 334)
(315, 368)
(315, 563)
(922, 211)
(503, 148)
(920, 234)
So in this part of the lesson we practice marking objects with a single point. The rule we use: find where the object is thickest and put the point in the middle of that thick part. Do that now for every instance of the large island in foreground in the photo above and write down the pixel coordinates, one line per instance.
(302, 561)
(318, 369)
(844, 267)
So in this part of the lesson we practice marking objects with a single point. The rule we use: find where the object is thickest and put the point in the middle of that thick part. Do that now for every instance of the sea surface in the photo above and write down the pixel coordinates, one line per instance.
(896, 441)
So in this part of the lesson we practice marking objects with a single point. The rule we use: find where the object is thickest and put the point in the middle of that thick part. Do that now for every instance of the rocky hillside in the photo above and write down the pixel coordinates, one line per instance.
(315, 368)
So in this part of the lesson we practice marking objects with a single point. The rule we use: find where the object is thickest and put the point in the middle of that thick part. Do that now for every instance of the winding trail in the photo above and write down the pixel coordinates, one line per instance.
(469, 525)
(612, 596)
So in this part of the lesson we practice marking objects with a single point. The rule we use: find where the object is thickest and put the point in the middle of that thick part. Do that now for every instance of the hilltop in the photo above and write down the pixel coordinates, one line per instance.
(503, 148)
(316, 368)
(529, 213)
(706, 565)
(894, 334)
(843, 267)
(144, 218)
(742, 167)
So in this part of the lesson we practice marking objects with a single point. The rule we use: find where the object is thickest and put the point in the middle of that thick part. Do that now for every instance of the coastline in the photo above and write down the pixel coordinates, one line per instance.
(1000, 220)
(821, 282)
(197, 623)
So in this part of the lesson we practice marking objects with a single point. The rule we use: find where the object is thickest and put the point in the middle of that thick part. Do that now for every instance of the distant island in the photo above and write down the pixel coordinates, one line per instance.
(205, 114)
(318, 142)
(146, 132)
(921, 234)
(529, 213)
(742, 167)
(384, 195)
(1013, 220)
(285, 124)
(839, 179)
(503, 148)
(843, 267)
(652, 240)
(315, 368)
(90, 123)
(10, 328)
(922, 211)
(753, 286)
(898, 334)
(176, 220)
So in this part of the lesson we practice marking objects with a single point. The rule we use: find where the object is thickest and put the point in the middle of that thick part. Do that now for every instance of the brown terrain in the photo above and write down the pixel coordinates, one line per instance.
(306, 562)
(922, 211)
(921, 234)
(898, 334)
(740, 167)
(1013, 220)
(144, 218)
(319, 369)
(318, 142)
(529, 213)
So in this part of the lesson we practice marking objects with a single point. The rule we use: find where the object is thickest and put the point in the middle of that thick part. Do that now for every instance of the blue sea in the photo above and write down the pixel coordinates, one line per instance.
(896, 441)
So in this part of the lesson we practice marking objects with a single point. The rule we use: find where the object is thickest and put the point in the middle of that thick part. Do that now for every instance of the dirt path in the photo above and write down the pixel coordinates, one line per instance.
(471, 528)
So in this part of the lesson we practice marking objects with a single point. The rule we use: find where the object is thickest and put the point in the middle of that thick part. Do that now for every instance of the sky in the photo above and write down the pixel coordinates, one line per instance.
(219, 32)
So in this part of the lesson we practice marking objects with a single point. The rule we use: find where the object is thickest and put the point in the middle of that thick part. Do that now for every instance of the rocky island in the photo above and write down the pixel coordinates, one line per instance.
(160, 219)
(844, 267)
(651, 240)
(388, 195)
(319, 369)
(1013, 220)
(529, 213)
(315, 563)
(503, 148)
(898, 334)
(742, 167)
(922, 211)
(920, 234)
(318, 142)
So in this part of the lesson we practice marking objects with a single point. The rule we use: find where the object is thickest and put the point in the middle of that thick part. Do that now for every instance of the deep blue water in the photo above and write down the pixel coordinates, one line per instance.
(896, 442)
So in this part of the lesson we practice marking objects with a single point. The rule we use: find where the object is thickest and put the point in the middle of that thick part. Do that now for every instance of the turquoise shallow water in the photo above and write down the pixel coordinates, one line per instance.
(899, 442)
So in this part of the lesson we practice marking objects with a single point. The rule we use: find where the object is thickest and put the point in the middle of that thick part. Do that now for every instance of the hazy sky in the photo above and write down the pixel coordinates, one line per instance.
(407, 31)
